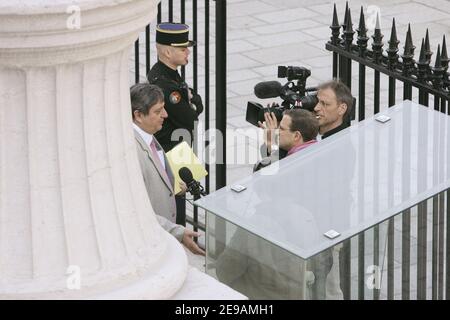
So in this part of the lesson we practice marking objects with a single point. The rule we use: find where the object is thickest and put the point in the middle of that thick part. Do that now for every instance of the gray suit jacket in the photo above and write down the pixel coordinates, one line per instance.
(159, 187)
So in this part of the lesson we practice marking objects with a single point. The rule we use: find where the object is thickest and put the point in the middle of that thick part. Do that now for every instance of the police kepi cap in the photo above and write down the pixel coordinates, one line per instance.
(173, 34)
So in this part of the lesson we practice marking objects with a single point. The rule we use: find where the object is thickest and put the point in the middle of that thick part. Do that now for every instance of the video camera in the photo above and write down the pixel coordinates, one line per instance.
(293, 94)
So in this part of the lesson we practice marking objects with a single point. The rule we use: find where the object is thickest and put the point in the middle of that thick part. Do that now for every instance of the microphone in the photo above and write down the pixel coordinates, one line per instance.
(194, 187)
(268, 89)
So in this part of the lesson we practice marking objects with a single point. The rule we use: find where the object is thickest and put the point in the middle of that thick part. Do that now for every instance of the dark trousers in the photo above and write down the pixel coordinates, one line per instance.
(181, 210)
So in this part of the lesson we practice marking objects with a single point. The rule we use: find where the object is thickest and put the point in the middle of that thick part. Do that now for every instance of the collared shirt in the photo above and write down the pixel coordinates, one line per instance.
(148, 138)
(300, 147)
(344, 125)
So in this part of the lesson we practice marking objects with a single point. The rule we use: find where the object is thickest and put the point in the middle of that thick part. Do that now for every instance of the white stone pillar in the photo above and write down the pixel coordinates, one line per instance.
(71, 191)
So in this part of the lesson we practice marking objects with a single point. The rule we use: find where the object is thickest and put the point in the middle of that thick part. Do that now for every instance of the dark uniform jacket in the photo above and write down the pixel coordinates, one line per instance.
(180, 113)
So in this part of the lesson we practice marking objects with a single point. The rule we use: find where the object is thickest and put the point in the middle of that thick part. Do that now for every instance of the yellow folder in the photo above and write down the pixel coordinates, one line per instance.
(183, 156)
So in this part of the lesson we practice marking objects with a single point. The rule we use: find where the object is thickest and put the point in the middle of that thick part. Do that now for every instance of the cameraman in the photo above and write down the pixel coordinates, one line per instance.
(333, 114)
(334, 107)
(298, 129)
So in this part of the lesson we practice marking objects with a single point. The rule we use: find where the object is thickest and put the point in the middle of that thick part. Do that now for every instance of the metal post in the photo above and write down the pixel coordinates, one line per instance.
(391, 224)
(207, 180)
(422, 251)
(376, 256)
(441, 237)
(361, 236)
(443, 105)
(447, 254)
(362, 93)
(391, 91)
(361, 266)
(195, 38)
(441, 231)
(335, 65)
(390, 256)
(406, 217)
(158, 19)
(406, 239)
(221, 89)
(376, 101)
(348, 80)
(437, 103)
(183, 10)
(136, 61)
(170, 10)
(435, 249)
(422, 142)
(407, 91)
(195, 87)
(147, 49)
(345, 269)
(376, 201)
(183, 20)
(342, 68)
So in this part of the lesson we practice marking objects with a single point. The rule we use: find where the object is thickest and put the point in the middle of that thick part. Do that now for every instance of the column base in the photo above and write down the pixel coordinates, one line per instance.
(200, 286)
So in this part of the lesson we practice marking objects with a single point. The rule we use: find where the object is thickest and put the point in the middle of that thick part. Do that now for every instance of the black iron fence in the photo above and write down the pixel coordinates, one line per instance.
(431, 80)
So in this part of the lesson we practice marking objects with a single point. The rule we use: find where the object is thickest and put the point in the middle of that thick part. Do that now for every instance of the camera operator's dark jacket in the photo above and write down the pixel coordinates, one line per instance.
(344, 125)
(342, 252)
(176, 98)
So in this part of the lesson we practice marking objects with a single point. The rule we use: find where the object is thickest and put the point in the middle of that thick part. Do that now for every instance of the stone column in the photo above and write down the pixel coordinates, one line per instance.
(71, 191)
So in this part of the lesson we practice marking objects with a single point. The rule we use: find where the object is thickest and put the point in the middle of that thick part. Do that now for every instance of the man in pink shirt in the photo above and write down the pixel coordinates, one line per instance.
(298, 129)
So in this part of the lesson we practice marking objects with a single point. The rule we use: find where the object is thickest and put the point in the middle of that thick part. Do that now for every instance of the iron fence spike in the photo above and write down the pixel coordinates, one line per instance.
(335, 22)
(393, 42)
(409, 46)
(422, 58)
(438, 62)
(428, 52)
(349, 24)
(377, 25)
(362, 23)
(444, 55)
(427, 41)
(345, 14)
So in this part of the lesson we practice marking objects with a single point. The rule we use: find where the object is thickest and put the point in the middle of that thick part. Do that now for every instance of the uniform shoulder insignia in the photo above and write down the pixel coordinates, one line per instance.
(175, 97)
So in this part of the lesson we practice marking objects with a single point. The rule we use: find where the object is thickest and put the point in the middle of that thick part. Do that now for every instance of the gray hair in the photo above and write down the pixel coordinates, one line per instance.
(144, 96)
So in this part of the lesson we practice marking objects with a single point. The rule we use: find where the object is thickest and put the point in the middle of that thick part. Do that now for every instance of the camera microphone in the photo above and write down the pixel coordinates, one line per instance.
(194, 187)
(268, 89)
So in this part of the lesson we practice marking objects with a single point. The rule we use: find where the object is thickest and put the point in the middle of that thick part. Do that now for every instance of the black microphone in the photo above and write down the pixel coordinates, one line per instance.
(268, 89)
(194, 187)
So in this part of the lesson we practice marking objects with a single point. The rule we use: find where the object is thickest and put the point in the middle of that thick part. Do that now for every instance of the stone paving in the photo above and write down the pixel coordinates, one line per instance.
(263, 34)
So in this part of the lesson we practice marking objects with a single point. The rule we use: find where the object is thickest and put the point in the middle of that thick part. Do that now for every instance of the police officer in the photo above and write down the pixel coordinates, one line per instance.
(182, 104)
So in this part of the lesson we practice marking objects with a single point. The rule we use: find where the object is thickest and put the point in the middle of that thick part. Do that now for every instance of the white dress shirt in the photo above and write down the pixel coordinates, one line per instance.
(148, 138)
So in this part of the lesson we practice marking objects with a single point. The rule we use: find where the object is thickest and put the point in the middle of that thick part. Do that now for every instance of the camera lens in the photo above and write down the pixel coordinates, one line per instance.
(309, 102)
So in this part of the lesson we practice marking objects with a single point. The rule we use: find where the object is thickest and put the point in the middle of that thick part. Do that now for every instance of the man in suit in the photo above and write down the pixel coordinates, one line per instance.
(147, 103)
